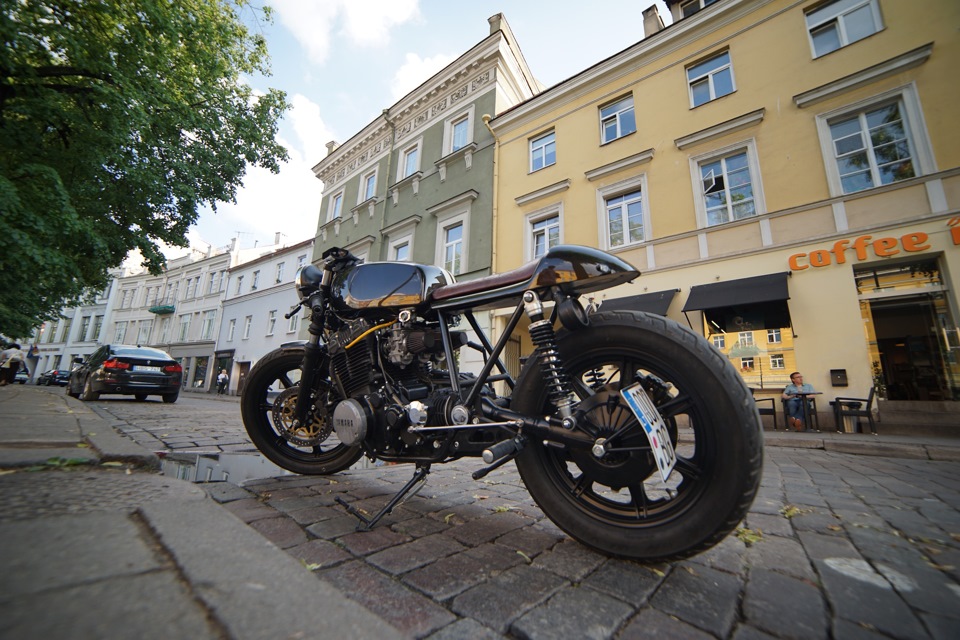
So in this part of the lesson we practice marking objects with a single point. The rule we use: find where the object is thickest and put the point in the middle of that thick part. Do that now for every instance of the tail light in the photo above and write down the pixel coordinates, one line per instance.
(173, 368)
(113, 363)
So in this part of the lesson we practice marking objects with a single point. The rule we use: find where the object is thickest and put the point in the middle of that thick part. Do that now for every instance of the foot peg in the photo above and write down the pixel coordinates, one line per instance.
(419, 476)
(499, 454)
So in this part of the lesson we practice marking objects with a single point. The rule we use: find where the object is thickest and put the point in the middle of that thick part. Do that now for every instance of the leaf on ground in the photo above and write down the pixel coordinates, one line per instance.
(660, 574)
(447, 518)
(111, 464)
(834, 527)
(310, 566)
(7, 471)
(479, 497)
(503, 509)
(749, 536)
(83, 445)
(791, 511)
(525, 556)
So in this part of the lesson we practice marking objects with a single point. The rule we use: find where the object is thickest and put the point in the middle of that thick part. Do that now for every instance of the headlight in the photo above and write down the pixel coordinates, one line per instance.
(308, 280)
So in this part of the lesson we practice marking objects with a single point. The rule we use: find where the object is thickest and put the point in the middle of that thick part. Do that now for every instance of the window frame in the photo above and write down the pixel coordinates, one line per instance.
(293, 323)
(231, 329)
(256, 281)
(719, 341)
(247, 326)
(756, 180)
(271, 322)
(552, 133)
(710, 78)
(405, 152)
(841, 29)
(365, 180)
(535, 217)
(446, 222)
(449, 130)
(914, 126)
(183, 331)
(144, 329)
(777, 362)
(616, 117)
(209, 321)
(335, 206)
(635, 183)
(279, 272)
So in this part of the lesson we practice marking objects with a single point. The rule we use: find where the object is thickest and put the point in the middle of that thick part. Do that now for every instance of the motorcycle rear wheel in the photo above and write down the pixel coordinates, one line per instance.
(276, 376)
(618, 504)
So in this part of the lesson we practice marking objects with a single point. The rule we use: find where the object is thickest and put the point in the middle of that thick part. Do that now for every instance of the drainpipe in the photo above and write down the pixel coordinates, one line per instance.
(494, 210)
(383, 217)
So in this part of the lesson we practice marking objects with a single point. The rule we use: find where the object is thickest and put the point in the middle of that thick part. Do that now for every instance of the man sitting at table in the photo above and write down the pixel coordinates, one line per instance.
(793, 403)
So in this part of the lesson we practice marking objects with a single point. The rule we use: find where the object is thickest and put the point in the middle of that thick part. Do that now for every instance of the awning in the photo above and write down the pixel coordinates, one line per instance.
(745, 304)
(657, 302)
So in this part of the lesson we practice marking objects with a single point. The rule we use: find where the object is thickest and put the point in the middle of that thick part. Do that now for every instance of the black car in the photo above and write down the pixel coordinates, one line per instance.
(59, 377)
(126, 370)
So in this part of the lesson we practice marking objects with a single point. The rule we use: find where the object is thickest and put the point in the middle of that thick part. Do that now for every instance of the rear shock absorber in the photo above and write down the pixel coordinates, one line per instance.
(559, 387)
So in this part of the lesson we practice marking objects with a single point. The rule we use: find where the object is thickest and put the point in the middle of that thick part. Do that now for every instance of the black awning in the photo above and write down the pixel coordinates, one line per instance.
(748, 303)
(657, 302)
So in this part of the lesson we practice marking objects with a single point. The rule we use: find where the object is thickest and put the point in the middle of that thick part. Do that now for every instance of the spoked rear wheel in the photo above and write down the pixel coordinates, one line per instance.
(617, 503)
(267, 407)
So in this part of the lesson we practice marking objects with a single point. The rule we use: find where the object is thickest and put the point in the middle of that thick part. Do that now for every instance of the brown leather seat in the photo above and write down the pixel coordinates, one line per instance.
(488, 283)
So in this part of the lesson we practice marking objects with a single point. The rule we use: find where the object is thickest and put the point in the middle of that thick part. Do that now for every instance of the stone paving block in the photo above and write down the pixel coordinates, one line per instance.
(497, 602)
(448, 576)
(410, 612)
(224, 491)
(283, 532)
(334, 527)
(250, 510)
(311, 515)
(747, 632)
(362, 543)
(817, 519)
(530, 540)
(419, 527)
(941, 627)
(785, 606)
(818, 546)
(784, 555)
(628, 581)
(406, 557)
(319, 552)
(570, 559)
(488, 528)
(288, 505)
(495, 557)
(466, 629)
(847, 630)
(704, 597)
(775, 525)
(726, 556)
(650, 623)
(910, 524)
(574, 612)
(861, 595)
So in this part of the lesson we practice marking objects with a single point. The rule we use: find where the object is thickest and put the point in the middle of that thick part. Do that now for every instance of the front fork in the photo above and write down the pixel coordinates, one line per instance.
(313, 352)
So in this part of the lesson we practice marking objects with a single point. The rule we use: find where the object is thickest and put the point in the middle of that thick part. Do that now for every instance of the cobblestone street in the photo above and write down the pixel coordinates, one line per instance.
(836, 545)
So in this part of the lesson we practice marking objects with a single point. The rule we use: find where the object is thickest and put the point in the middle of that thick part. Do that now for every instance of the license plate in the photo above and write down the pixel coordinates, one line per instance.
(653, 426)
(145, 369)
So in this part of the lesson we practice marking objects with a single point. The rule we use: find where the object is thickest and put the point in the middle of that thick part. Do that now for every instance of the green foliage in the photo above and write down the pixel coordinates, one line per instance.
(119, 119)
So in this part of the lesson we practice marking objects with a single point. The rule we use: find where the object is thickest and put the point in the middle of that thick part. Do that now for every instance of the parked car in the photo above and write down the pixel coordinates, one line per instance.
(126, 370)
(59, 377)
(22, 376)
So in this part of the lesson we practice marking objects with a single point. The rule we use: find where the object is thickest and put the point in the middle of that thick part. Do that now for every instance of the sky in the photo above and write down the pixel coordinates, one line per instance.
(341, 62)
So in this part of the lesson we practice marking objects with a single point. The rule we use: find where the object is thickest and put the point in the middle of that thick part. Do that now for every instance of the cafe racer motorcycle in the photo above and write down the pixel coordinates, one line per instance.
(632, 433)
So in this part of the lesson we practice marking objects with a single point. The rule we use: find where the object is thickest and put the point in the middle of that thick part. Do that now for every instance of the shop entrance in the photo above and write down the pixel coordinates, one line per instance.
(910, 331)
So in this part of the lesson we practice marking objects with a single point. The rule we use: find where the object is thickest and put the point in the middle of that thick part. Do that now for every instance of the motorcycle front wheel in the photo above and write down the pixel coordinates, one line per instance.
(267, 407)
(617, 503)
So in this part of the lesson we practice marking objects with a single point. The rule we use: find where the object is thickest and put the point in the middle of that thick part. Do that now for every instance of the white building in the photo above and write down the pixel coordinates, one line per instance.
(258, 295)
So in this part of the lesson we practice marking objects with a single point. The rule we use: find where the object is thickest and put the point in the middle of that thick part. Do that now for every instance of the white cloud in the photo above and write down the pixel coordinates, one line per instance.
(414, 71)
(365, 22)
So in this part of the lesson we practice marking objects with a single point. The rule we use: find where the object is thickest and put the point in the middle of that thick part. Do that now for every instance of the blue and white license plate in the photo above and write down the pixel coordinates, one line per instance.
(145, 369)
(653, 426)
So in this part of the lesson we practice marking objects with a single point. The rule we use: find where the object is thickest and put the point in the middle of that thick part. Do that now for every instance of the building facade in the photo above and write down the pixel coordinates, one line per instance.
(785, 175)
(417, 183)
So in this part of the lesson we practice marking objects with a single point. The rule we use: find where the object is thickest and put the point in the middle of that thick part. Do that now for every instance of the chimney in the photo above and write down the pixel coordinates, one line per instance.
(276, 238)
(652, 22)
(494, 21)
(332, 146)
(233, 245)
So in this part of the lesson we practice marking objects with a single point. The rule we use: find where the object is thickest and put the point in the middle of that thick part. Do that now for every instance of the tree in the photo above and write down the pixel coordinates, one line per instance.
(119, 119)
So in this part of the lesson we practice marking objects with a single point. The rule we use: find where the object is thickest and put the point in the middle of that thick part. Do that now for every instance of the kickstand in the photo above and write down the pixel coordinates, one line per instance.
(366, 524)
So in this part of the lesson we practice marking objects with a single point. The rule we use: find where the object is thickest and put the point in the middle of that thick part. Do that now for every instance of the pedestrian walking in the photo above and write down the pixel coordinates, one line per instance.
(10, 362)
(222, 381)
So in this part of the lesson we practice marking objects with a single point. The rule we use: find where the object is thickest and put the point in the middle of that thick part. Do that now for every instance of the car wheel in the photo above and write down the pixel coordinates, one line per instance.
(140, 396)
(89, 395)
(170, 398)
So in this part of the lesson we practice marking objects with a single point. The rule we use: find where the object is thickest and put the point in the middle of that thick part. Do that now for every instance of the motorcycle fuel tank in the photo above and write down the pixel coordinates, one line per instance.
(375, 287)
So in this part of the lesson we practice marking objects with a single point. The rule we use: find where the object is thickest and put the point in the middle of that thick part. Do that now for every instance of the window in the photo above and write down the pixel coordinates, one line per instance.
(774, 336)
(66, 330)
(776, 361)
(184, 331)
(545, 234)
(206, 331)
(97, 325)
(409, 161)
(301, 260)
(842, 22)
(453, 248)
(143, 335)
(271, 322)
(543, 151)
(368, 187)
(84, 328)
(871, 147)
(164, 330)
(294, 323)
(710, 79)
(624, 219)
(720, 341)
(223, 280)
(247, 323)
(690, 7)
(745, 339)
(212, 284)
(727, 187)
(279, 277)
(231, 329)
(239, 285)
(746, 364)
(256, 281)
(190, 292)
(335, 207)
(401, 251)
(617, 120)
(461, 131)
(120, 332)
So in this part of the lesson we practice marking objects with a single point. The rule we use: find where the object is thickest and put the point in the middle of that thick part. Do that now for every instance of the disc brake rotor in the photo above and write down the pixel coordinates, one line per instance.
(315, 430)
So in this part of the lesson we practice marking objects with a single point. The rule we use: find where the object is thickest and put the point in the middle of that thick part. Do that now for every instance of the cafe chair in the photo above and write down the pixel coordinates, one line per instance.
(763, 410)
(854, 408)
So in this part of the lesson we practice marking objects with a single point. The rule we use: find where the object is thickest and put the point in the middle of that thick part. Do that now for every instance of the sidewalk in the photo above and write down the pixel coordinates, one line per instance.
(95, 545)
(95, 542)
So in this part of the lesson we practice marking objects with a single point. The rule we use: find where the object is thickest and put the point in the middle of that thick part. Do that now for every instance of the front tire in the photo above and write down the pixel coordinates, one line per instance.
(269, 396)
(618, 504)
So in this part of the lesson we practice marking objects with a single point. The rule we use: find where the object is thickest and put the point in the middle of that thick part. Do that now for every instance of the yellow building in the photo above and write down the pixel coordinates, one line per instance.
(774, 168)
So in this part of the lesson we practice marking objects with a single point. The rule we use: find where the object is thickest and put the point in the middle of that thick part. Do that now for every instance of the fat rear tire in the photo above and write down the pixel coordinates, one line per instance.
(618, 504)
(275, 373)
